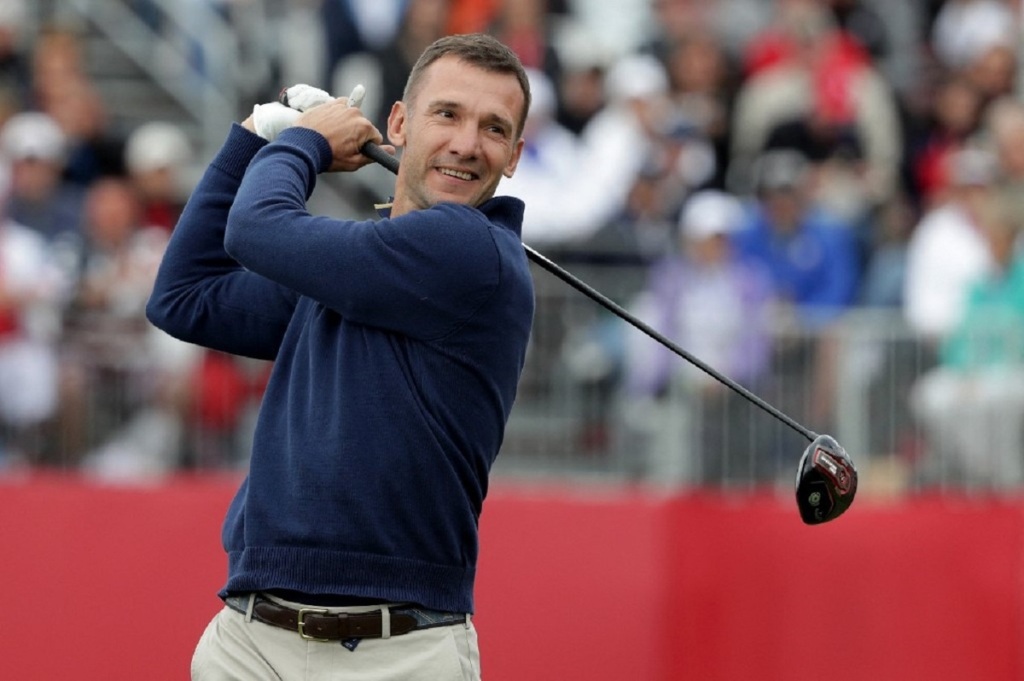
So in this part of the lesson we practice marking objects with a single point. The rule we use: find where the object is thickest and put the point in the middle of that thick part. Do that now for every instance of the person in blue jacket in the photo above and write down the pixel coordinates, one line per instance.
(397, 346)
(813, 264)
(811, 255)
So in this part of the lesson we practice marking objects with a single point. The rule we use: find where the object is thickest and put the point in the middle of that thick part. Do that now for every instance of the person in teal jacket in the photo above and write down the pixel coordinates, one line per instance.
(972, 404)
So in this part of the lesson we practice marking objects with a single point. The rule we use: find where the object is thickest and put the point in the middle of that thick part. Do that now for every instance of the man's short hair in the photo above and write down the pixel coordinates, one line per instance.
(477, 49)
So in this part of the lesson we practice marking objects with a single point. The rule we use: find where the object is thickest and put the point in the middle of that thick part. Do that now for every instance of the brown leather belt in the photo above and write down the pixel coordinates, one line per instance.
(318, 624)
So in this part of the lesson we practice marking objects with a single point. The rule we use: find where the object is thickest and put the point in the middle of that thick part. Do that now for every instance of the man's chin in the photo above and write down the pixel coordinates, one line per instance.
(465, 198)
(460, 199)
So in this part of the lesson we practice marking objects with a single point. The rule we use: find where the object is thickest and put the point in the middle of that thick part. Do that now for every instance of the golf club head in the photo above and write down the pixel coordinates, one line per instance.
(826, 481)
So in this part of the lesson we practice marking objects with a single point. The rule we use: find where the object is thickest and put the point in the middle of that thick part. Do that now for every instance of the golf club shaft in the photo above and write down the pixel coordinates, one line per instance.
(391, 163)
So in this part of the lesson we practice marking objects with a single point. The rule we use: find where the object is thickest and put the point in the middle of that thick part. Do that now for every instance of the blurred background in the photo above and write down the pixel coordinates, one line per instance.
(822, 199)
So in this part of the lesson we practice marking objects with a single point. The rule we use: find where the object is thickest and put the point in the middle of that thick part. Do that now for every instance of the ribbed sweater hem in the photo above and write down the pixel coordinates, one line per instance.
(344, 573)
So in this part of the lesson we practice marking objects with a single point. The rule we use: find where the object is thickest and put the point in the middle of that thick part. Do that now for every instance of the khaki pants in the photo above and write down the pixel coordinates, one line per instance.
(236, 648)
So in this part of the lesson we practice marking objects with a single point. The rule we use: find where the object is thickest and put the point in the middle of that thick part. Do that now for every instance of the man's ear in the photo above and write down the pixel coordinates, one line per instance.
(396, 124)
(513, 161)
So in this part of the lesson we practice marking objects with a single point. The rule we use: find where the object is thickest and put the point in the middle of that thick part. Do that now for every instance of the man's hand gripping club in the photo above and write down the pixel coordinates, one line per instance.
(339, 120)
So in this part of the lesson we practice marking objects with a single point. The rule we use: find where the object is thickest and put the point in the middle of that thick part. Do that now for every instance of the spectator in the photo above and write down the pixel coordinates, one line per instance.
(94, 150)
(951, 122)
(57, 59)
(972, 404)
(814, 266)
(618, 142)
(1004, 130)
(964, 29)
(36, 148)
(805, 68)
(713, 304)
(841, 178)
(703, 84)
(583, 65)
(994, 72)
(31, 287)
(157, 156)
(811, 256)
(947, 250)
(124, 376)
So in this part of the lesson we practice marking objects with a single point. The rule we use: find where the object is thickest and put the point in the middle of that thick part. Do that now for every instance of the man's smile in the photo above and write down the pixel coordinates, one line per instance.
(458, 174)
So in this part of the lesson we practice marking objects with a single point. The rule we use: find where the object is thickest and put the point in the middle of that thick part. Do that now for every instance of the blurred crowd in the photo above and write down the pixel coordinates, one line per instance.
(760, 161)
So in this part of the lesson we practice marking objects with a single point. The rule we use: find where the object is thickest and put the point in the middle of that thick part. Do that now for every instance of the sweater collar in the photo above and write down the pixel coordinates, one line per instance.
(506, 211)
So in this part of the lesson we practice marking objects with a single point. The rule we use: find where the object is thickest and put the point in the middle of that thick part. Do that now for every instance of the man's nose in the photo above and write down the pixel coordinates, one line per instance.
(466, 141)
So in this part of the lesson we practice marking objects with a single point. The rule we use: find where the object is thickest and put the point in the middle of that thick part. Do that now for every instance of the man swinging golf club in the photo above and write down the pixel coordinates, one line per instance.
(397, 345)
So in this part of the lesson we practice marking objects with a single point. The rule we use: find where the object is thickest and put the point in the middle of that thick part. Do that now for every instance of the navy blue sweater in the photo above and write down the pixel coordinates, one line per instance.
(397, 347)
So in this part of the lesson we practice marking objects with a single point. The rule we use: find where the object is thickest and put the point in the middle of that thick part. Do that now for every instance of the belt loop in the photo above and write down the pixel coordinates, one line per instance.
(469, 620)
(249, 607)
(385, 622)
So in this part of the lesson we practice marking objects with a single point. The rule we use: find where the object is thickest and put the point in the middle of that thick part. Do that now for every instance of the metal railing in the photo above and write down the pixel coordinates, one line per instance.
(866, 379)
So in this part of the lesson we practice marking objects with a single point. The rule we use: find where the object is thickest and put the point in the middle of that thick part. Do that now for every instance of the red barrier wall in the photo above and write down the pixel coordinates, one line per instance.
(108, 583)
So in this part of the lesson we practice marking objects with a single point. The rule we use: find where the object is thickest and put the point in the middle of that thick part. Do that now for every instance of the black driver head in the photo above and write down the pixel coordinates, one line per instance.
(826, 481)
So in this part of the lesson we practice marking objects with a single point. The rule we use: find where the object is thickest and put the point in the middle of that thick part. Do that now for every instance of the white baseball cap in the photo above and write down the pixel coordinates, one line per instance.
(157, 145)
(710, 212)
(636, 76)
(32, 135)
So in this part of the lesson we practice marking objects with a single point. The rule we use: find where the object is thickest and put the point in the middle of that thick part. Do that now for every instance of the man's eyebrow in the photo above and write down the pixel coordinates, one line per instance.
(443, 104)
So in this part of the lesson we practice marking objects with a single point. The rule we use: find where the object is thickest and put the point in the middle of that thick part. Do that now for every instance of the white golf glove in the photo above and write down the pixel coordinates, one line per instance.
(304, 97)
(270, 119)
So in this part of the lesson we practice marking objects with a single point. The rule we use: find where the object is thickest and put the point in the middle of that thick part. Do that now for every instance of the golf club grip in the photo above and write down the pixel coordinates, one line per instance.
(385, 159)
(380, 156)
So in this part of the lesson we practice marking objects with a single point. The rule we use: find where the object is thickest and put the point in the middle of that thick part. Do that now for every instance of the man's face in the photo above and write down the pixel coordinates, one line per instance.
(785, 207)
(459, 133)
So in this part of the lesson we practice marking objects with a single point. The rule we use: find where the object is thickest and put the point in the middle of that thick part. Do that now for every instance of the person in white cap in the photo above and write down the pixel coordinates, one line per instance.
(30, 287)
(715, 305)
(156, 157)
(34, 147)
